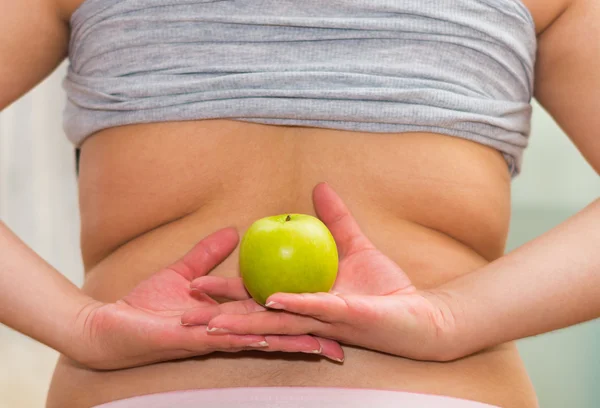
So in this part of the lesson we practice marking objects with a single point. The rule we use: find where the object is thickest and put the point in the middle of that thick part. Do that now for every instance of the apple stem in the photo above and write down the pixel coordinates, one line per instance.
(288, 218)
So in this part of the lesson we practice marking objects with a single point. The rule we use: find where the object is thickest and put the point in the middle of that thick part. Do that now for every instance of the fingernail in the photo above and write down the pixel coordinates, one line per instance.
(275, 305)
(216, 330)
(339, 360)
(319, 351)
(259, 344)
(185, 324)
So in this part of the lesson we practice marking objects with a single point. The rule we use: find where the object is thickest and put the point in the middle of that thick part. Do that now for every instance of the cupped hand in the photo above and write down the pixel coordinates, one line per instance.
(145, 326)
(373, 303)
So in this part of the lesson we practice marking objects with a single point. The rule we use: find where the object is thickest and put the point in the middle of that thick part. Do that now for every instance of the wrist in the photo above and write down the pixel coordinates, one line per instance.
(79, 340)
(449, 322)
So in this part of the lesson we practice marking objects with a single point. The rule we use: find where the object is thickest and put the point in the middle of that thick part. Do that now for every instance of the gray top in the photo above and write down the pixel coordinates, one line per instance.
(457, 67)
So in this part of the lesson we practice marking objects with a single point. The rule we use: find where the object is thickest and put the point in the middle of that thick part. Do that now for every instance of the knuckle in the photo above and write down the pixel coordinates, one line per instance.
(324, 330)
(228, 341)
(218, 343)
(208, 247)
(356, 310)
(285, 323)
(248, 306)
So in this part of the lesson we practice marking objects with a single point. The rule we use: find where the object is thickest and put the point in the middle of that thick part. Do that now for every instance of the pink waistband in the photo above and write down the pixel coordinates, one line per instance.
(291, 397)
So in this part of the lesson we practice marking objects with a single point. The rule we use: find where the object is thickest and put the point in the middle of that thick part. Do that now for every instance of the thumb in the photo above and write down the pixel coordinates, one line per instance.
(335, 215)
(206, 254)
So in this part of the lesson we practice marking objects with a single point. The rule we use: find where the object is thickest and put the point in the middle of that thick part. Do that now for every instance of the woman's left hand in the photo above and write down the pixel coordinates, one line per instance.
(373, 304)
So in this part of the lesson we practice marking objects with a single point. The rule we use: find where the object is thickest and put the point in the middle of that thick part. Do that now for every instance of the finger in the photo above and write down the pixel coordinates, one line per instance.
(267, 322)
(335, 215)
(207, 254)
(330, 349)
(230, 288)
(202, 315)
(301, 343)
(298, 344)
(233, 342)
(196, 339)
(306, 344)
(323, 306)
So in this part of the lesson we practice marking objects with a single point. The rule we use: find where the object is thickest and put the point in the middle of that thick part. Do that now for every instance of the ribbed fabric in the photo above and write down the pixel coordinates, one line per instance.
(458, 67)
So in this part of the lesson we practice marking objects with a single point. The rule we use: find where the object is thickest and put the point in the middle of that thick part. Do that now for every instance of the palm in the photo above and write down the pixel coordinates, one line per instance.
(367, 271)
(153, 309)
(363, 269)
(145, 326)
(166, 293)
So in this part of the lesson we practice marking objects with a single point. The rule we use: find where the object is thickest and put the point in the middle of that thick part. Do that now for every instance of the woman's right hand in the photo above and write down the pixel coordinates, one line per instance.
(144, 327)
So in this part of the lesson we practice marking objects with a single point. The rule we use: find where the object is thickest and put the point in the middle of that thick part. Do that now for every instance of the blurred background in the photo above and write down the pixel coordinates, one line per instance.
(38, 200)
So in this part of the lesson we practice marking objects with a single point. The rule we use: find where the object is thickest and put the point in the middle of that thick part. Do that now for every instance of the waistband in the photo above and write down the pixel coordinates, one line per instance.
(292, 397)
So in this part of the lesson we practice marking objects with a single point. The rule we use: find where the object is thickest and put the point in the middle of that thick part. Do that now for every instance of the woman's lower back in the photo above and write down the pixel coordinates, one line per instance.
(437, 205)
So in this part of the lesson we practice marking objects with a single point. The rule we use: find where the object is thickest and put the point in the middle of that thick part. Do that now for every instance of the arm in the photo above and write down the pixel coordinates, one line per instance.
(550, 283)
(553, 281)
(37, 300)
(568, 75)
(33, 42)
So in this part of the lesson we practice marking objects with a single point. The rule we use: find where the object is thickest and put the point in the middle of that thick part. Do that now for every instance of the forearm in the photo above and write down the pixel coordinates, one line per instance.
(550, 283)
(35, 299)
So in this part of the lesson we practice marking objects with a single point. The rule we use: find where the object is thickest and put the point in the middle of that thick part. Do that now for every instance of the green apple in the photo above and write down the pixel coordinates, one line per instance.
(293, 253)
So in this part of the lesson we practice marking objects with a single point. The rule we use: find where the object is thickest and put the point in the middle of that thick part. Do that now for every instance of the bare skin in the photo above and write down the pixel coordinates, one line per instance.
(437, 206)
(207, 196)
